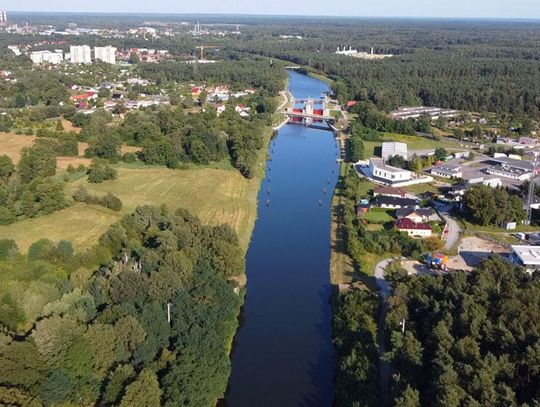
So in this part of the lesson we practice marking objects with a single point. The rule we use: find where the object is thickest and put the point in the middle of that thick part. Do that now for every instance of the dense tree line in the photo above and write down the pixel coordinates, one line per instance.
(492, 206)
(169, 137)
(355, 340)
(469, 339)
(239, 72)
(29, 190)
(92, 328)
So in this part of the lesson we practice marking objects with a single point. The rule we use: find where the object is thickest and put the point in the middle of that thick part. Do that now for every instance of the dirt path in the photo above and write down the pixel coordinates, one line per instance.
(385, 369)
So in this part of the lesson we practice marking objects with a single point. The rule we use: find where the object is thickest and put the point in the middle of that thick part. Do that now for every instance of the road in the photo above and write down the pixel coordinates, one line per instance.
(454, 231)
(385, 369)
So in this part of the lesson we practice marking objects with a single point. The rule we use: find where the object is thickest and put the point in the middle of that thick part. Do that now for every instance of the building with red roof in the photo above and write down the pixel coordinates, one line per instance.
(414, 229)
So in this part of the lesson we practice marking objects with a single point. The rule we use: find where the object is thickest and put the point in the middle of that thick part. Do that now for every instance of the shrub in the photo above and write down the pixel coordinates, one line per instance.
(100, 171)
(109, 201)
(129, 157)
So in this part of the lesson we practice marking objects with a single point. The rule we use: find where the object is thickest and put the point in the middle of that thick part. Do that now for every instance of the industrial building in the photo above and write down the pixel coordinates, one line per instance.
(80, 54)
(513, 169)
(105, 54)
(391, 149)
(362, 54)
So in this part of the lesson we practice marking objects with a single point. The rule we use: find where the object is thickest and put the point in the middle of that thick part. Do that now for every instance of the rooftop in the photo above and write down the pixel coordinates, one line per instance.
(510, 162)
(404, 212)
(407, 224)
(392, 201)
(529, 255)
(389, 191)
(379, 163)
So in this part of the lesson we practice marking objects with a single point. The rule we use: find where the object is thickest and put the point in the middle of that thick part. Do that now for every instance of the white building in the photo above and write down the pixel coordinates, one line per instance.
(493, 182)
(447, 171)
(390, 149)
(513, 169)
(387, 173)
(415, 112)
(39, 57)
(15, 49)
(361, 54)
(80, 54)
(106, 54)
(526, 256)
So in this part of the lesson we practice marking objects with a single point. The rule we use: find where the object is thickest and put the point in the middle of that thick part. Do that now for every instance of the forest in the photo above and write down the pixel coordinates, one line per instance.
(92, 328)
(470, 339)
(481, 66)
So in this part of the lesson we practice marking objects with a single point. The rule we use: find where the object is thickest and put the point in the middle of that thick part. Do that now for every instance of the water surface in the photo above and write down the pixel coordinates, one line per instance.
(283, 354)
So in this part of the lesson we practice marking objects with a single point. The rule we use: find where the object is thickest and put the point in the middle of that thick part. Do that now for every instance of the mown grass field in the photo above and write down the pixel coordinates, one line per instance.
(11, 145)
(372, 148)
(216, 196)
(379, 216)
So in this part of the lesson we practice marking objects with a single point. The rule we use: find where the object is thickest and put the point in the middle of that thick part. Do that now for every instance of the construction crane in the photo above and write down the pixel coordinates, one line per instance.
(532, 188)
(202, 48)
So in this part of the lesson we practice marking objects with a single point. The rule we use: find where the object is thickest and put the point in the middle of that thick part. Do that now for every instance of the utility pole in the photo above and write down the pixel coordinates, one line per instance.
(169, 312)
(402, 325)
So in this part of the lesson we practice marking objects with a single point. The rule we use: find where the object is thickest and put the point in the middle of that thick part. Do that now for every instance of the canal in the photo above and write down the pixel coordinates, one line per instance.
(283, 353)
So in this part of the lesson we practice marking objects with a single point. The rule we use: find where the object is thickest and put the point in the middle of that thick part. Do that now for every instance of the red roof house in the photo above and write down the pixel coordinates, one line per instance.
(413, 229)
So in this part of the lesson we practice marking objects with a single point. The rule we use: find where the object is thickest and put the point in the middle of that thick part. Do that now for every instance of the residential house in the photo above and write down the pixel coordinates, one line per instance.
(84, 97)
(390, 191)
(220, 108)
(389, 202)
(416, 215)
(447, 171)
(413, 229)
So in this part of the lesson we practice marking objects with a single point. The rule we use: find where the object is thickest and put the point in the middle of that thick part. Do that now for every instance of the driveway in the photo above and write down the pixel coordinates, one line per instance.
(382, 284)
(452, 236)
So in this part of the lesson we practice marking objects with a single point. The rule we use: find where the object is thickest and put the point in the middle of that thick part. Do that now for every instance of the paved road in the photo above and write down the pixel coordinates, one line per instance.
(454, 231)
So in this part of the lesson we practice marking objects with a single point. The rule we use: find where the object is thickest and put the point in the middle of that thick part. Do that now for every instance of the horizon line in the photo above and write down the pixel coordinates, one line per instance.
(239, 14)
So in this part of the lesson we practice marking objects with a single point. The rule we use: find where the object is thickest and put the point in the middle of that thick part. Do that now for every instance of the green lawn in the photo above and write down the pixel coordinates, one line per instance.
(365, 188)
(379, 216)
(372, 148)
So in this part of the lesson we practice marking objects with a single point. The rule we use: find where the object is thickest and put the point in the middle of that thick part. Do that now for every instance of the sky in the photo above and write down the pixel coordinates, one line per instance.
(367, 8)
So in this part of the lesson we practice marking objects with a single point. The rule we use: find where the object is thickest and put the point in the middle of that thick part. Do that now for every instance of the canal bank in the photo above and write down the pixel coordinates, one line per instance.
(283, 353)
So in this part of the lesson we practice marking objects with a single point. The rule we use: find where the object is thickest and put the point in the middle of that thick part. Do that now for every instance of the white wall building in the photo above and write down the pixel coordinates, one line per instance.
(526, 256)
(390, 149)
(447, 171)
(387, 173)
(39, 57)
(80, 54)
(106, 54)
